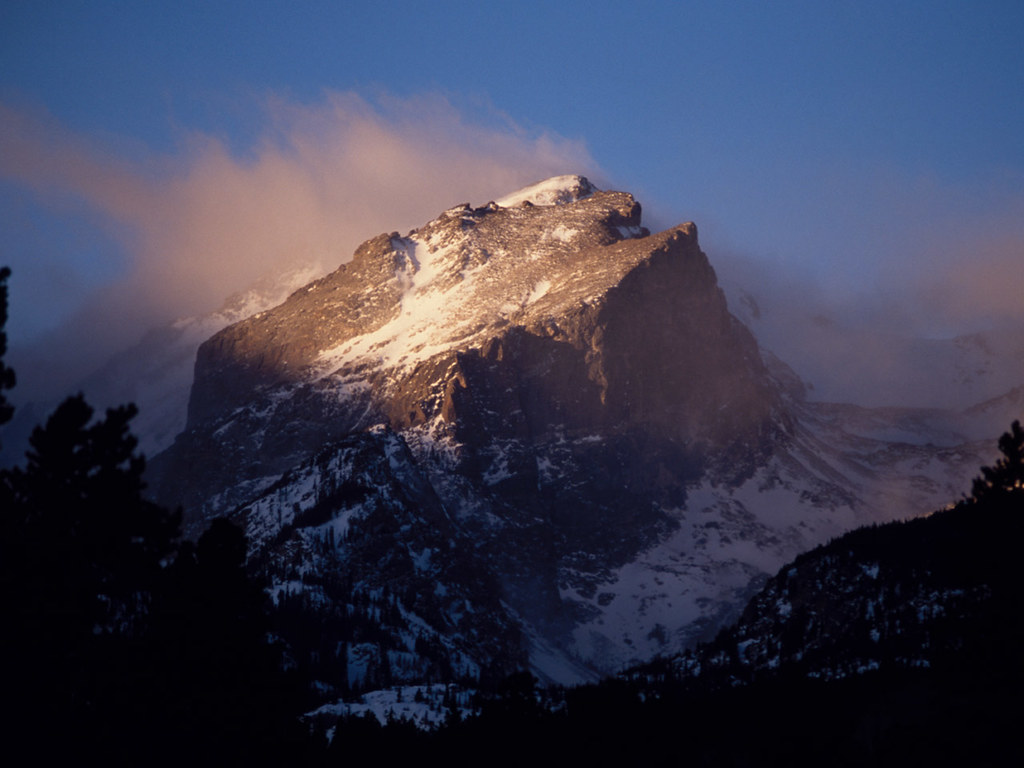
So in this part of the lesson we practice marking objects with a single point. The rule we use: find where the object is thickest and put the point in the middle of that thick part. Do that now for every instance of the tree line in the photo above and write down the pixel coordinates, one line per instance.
(122, 643)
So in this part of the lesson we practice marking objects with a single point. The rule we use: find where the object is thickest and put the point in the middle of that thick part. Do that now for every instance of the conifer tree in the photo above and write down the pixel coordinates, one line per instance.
(121, 645)
(1007, 475)
(81, 557)
(6, 373)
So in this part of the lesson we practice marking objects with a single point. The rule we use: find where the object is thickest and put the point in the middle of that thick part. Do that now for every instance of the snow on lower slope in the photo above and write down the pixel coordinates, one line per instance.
(426, 706)
(726, 541)
(730, 540)
(692, 582)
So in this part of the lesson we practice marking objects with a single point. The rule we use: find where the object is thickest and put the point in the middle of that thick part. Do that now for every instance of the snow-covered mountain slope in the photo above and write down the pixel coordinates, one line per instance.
(825, 479)
(554, 443)
(940, 590)
(358, 537)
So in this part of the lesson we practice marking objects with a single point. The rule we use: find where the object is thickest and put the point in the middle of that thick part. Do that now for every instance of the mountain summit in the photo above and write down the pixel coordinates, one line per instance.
(525, 434)
(557, 316)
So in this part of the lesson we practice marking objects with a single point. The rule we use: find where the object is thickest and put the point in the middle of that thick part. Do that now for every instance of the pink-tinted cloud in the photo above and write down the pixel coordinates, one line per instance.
(874, 319)
(207, 221)
(981, 281)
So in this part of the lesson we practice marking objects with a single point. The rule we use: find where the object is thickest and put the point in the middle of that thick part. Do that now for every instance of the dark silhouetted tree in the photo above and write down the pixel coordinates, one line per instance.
(81, 556)
(135, 649)
(220, 681)
(1007, 475)
(6, 373)
(121, 645)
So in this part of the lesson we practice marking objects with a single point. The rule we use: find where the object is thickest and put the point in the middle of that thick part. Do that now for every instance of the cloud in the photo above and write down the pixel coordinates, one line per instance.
(891, 327)
(980, 283)
(194, 226)
(134, 238)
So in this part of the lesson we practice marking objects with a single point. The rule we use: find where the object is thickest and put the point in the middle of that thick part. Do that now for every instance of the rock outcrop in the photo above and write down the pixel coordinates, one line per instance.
(525, 433)
(524, 323)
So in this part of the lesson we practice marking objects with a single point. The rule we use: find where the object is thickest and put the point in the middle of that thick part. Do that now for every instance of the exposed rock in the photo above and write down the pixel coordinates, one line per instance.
(561, 407)
(522, 323)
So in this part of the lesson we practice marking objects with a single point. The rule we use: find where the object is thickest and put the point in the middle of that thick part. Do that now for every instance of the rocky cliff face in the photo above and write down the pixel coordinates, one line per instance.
(525, 433)
(525, 323)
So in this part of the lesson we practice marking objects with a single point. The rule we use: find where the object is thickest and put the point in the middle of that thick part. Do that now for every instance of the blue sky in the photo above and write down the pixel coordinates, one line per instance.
(871, 153)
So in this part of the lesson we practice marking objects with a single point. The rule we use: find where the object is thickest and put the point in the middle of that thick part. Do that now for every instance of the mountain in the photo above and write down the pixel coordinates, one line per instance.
(893, 644)
(500, 324)
(531, 434)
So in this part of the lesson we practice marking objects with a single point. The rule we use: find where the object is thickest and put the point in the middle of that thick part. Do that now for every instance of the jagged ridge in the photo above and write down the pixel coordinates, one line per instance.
(597, 432)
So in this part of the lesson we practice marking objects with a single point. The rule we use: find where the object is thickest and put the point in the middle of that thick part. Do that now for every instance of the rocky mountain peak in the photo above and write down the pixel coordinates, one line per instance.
(551, 311)
(535, 405)
(401, 299)
(554, 191)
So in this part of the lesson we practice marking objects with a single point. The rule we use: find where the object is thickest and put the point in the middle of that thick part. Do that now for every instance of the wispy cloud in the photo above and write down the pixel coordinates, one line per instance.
(930, 265)
(981, 280)
(208, 220)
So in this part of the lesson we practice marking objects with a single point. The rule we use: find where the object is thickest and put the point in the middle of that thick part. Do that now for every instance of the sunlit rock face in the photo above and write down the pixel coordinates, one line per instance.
(528, 322)
(539, 408)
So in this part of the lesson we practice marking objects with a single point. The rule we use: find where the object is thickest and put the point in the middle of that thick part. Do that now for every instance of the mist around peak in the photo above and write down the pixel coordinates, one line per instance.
(169, 236)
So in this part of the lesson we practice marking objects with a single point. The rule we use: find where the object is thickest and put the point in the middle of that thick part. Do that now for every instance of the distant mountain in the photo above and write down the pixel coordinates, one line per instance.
(880, 364)
(527, 434)
(156, 372)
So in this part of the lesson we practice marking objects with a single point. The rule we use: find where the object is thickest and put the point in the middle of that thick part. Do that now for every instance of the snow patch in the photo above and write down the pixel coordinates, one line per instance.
(630, 233)
(562, 233)
(557, 190)
(427, 706)
(538, 291)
